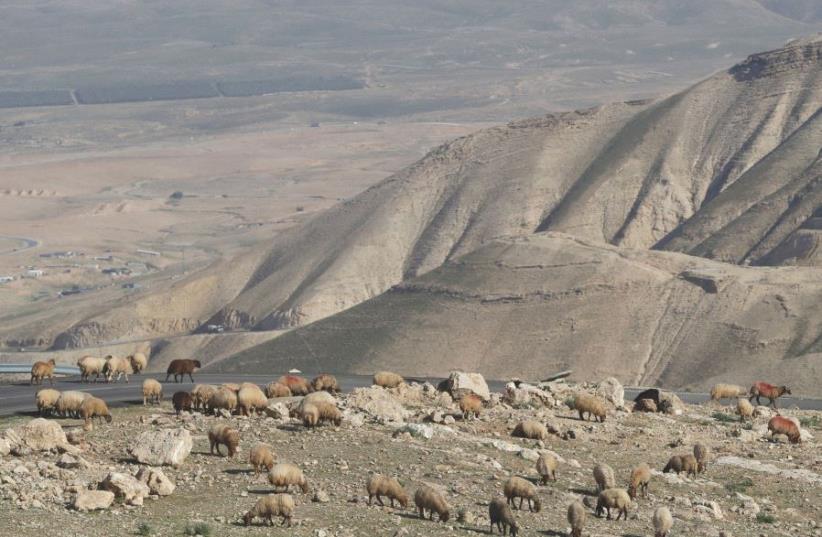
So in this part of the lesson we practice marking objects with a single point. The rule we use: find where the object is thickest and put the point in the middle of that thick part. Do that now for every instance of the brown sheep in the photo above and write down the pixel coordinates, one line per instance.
(590, 404)
(613, 499)
(328, 412)
(90, 365)
(576, 518)
(222, 434)
(387, 379)
(117, 365)
(500, 515)
(152, 391)
(261, 457)
(310, 415)
(181, 368)
(782, 425)
(769, 391)
(224, 399)
(517, 487)
(381, 485)
(547, 467)
(530, 429)
(744, 409)
(701, 454)
(201, 394)
(276, 389)
(94, 408)
(682, 463)
(470, 405)
(640, 477)
(284, 474)
(273, 505)
(663, 522)
(325, 382)
(726, 391)
(604, 477)
(428, 498)
(42, 370)
(182, 401)
(296, 384)
(47, 400)
(251, 399)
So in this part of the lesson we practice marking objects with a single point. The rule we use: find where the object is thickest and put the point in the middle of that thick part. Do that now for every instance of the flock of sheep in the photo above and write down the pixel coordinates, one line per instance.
(318, 406)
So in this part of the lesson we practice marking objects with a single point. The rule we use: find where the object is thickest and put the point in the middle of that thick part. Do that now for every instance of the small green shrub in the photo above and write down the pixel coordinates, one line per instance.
(145, 529)
(724, 418)
(809, 422)
(739, 486)
(765, 518)
(198, 528)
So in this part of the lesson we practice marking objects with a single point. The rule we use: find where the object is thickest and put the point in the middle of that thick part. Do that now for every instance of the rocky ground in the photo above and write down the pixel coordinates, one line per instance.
(753, 485)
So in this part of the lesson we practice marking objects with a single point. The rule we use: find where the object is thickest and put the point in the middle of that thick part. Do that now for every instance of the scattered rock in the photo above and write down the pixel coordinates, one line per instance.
(320, 496)
(164, 447)
(125, 486)
(460, 383)
(611, 390)
(156, 481)
(39, 435)
(377, 403)
(91, 500)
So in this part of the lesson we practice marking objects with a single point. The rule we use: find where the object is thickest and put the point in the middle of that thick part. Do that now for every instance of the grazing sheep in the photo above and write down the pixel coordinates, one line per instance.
(69, 403)
(90, 365)
(640, 477)
(328, 412)
(645, 405)
(470, 405)
(251, 399)
(310, 415)
(284, 474)
(662, 522)
(94, 408)
(261, 457)
(517, 487)
(201, 394)
(182, 401)
(500, 515)
(726, 391)
(701, 454)
(547, 467)
(576, 518)
(222, 434)
(592, 405)
(46, 400)
(298, 385)
(604, 477)
(276, 389)
(117, 365)
(387, 379)
(382, 485)
(745, 409)
(181, 368)
(428, 498)
(682, 463)
(281, 505)
(613, 499)
(325, 382)
(138, 361)
(530, 429)
(783, 425)
(152, 391)
(769, 391)
(41, 370)
(222, 398)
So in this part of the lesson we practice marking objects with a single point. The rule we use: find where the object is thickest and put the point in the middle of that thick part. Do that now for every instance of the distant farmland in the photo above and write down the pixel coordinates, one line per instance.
(178, 90)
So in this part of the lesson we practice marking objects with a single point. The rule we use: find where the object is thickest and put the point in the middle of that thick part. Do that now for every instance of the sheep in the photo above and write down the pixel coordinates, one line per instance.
(325, 382)
(117, 365)
(138, 361)
(604, 477)
(181, 368)
(662, 522)
(222, 434)
(69, 403)
(231, 386)
(261, 457)
(328, 412)
(500, 514)
(530, 429)
(640, 477)
(381, 485)
(90, 365)
(276, 389)
(94, 408)
(182, 401)
(152, 391)
(267, 508)
(251, 399)
(222, 398)
(547, 467)
(613, 499)
(310, 415)
(201, 394)
(470, 405)
(387, 379)
(576, 518)
(591, 405)
(284, 474)
(427, 498)
(517, 487)
(745, 409)
(783, 425)
(46, 400)
(297, 385)
(682, 463)
(771, 392)
(701, 454)
(726, 391)
(41, 370)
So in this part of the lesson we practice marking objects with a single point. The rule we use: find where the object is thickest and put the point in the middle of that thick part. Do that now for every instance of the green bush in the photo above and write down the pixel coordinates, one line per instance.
(739, 486)
(198, 528)
(765, 518)
(809, 422)
(145, 529)
(724, 418)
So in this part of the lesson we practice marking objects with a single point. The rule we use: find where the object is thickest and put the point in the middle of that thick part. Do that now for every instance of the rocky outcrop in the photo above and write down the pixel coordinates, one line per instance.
(92, 500)
(168, 447)
(126, 487)
(39, 435)
(156, 481)
(460, 383)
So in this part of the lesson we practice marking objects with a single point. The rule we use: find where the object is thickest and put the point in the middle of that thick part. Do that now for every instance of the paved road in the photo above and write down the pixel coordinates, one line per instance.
(27, 243)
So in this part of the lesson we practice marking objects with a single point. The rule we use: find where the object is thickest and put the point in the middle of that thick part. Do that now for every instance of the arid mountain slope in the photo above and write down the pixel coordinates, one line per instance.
(527, 306)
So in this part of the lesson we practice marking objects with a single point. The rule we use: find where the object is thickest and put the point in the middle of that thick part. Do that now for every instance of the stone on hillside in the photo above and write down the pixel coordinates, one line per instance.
(611, 390)
(460, 383)
(156, 481)
(165, 447)
(39, 435)
(377, 403)
(91, 500)
(125, 486)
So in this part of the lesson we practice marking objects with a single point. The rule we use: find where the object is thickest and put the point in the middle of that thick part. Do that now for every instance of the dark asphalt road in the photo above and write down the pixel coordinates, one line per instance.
(18, 398)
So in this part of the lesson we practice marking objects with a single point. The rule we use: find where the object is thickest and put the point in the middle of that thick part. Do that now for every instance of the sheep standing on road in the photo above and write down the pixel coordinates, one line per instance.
(769, 391)
(181, 368)
(42, 370)
(152, 392)
(47, 400)
(138, 361)
(117, 365)
(726, 391)
(90, 365)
